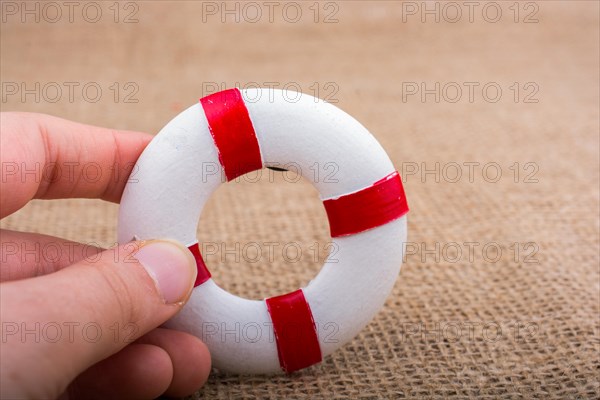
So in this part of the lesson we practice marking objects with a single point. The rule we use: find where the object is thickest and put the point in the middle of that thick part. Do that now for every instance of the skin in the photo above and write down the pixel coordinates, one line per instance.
(134, 357)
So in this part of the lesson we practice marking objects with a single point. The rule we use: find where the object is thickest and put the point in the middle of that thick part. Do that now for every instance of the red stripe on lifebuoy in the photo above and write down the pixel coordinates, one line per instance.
(295, 331)
(232, 132)
(203, 272)
(368, 208)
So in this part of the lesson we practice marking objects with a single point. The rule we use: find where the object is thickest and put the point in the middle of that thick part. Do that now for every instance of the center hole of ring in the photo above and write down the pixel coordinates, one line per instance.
(264, 234)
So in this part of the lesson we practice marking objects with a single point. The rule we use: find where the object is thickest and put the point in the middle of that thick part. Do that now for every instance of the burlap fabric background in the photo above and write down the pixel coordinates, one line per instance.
(459, 322)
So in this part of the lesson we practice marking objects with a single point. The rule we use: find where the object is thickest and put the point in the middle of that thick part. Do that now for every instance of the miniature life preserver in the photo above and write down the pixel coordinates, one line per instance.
(234, 132)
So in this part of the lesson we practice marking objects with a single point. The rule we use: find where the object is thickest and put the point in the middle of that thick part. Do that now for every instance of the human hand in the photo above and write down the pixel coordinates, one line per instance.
(78, 325)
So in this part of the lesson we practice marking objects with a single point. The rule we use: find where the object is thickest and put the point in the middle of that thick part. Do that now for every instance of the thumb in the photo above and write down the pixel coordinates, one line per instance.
(62, 323)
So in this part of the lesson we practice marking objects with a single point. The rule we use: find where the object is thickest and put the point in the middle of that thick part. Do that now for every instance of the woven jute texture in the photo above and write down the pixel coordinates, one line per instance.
(499, 293)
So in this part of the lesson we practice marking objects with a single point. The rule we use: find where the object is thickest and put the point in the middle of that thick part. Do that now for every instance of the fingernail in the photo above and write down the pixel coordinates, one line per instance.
(171, 266)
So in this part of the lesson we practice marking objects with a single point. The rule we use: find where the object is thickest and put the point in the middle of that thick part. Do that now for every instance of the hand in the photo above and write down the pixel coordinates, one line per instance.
(83, 322)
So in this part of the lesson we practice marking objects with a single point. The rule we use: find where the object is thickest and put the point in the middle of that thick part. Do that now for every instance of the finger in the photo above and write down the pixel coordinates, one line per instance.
(189, 356)
(124, 374)
(46, 157)
(139, 371)
(96, 306)
(26, 254)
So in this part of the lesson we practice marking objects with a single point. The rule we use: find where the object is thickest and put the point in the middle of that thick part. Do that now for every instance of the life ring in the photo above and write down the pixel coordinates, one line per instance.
(240, 131)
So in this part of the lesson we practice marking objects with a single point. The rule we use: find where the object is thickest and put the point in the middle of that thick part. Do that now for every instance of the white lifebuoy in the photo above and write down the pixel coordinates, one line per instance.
(241, 131)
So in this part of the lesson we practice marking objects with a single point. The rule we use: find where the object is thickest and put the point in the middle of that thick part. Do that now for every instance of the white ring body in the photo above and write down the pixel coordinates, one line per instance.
(170, 185)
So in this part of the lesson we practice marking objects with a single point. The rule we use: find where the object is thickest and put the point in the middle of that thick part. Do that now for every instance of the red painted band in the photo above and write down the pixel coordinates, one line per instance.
(232, 132)
(203, 272)
(368, 208)
(295, 331)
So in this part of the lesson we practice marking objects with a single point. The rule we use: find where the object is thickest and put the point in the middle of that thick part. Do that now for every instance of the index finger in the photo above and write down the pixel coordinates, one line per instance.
(45, 157)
